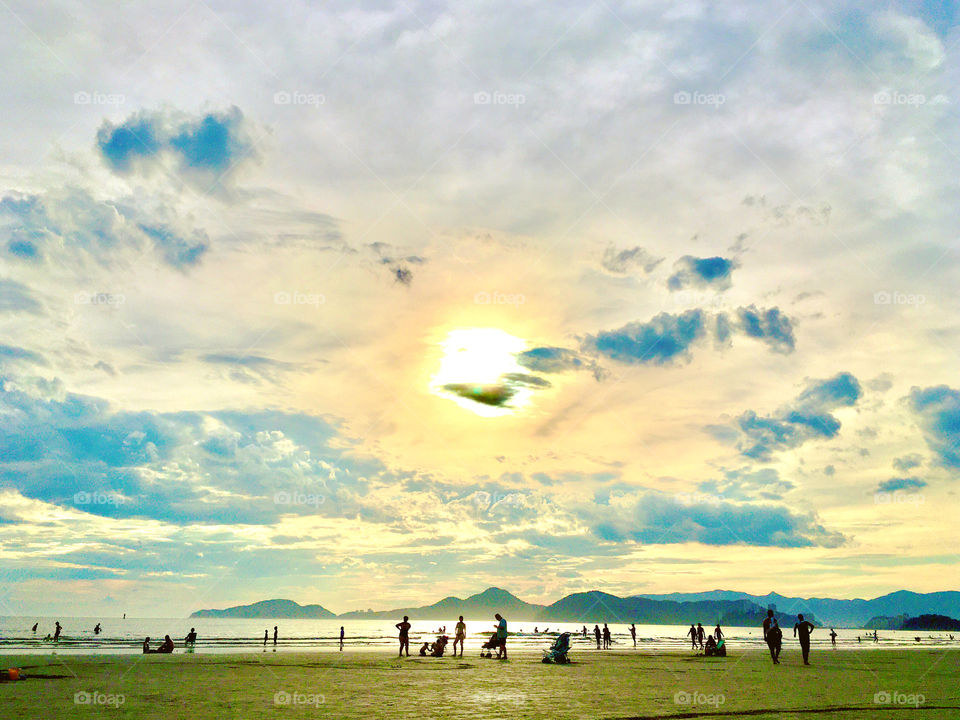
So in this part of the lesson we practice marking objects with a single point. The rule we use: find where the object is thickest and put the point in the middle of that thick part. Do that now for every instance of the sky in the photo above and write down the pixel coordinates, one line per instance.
(369, 304)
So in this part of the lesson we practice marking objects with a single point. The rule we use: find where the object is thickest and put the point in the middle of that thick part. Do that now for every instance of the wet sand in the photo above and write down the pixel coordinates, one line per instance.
(888, 684)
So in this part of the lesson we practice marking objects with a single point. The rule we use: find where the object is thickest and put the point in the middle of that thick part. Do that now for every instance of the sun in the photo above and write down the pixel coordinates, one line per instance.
(479, 371)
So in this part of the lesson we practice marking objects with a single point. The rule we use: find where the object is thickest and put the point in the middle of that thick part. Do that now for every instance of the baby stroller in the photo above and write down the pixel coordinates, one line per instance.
(558, 651)
(486, 650)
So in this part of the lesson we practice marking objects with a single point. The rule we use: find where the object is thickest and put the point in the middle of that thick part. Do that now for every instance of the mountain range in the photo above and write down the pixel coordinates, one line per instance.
(586, 607)
(724, 606)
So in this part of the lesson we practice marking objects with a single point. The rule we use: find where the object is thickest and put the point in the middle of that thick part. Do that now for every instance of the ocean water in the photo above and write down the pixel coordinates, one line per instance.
(216, 635)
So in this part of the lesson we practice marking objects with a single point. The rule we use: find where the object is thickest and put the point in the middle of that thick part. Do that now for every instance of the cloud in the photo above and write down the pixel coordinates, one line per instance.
(907, 462)
(250, 368)
(768, 325)
(71, 221)
(695, 272)
(910, 484)
(496, 394)
(17, 297)
(205, 148)
(663, 339)
(938, 411)
(658, 519)
(11, 352)
(622, 262)
(746, 484)
(808, 417)
(557, 359)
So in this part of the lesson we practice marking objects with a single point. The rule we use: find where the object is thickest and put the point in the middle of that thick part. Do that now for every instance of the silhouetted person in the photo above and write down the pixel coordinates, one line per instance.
(833, 637)
(167, 647)
(191, 638)
(56, 632)
(460, 635)
(96, 629)
(633, 633)
(773, 636)
(35, 626)
(692, 632)
(803, 628)
(710, 647)
(875, 638)
(274, 635)
(266, 634)
(606, 637)
(596, 634)
(585, 634)
(717, 633)
(700, 634)
(501, 636)
(146, 646)
(341, 638)
(404, 628)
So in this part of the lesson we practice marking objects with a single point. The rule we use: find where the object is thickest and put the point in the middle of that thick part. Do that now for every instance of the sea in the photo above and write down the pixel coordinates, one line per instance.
(220, 635)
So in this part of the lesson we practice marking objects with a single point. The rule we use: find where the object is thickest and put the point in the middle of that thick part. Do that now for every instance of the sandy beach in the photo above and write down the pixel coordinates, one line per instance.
(617, 684)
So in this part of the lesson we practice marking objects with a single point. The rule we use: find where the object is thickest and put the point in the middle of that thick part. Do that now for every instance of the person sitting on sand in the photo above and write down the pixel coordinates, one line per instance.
(191, 638)
(460, 636)
(146, 646)
(710, 647)
(773, 636)
(424, 649)
(167, 647)
(404, 628)
(437, 649)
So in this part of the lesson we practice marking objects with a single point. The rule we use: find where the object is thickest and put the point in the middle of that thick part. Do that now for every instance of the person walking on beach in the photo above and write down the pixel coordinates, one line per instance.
(875, 638)
(606, 637)
(833, 637)
(341, 638)
(804, 627)
(35, 626)
(596, 634)
(633, 633)
(96, 629)
(585, 635)
(460, 634)
(773, 636)
(700, 634)
(692, 632)
(501, 637)
(274, 635)
(56, 632)
(404, 628)
(266, 634)
(717, 633)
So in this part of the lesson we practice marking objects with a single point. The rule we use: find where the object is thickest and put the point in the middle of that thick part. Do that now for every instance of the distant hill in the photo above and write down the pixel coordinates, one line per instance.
(268, 609)
(880, 622)
(931, 622)
(841, 613)
(483, 604)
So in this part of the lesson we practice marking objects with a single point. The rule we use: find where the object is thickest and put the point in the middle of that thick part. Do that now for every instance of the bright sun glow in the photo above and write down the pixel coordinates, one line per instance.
(473, 369)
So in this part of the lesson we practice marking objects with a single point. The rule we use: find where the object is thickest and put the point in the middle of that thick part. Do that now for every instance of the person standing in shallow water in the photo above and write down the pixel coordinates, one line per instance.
(606, 637)
(266, 634)
(692, 632)
(56, 632)
(700, 634)
(633, 633)
(596, 634)
(804, 628)
(404, 628)
(773, 636)
(341, 638)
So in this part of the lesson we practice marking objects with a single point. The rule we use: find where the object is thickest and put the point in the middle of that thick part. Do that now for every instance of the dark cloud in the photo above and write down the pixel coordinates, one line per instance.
(695, 272)
(808, 417)
(662, 340)
(657, 519)
(206, 147)
(767, 325)
(621, 262)
(909, 484)
(938, 410)
(907, 462)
